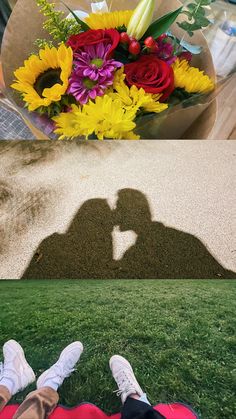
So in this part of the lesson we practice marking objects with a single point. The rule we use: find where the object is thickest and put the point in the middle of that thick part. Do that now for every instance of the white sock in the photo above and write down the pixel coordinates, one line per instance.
(144, 399)
(52, 384)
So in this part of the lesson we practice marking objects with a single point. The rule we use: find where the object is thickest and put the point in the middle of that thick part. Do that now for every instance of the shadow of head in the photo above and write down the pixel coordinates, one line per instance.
(132, 211)
(94, 216)
(90, 234)
(83, 251)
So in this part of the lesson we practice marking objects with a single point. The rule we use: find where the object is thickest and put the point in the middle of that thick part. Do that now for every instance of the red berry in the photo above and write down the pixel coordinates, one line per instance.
(154, 48)
(124, 38)
(149, 42)
(131, 38)
(134, 48)
(161, 37)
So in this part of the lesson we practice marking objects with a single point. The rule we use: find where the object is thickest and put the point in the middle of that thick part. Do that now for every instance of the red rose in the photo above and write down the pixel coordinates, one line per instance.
(152, 74)
(93, 37)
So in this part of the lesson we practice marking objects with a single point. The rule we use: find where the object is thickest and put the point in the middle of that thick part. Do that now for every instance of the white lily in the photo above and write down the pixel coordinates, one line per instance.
(97, 7)
(141, 19)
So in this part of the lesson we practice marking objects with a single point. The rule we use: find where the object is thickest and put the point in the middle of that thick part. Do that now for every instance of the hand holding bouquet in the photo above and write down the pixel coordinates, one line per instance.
(102, 73)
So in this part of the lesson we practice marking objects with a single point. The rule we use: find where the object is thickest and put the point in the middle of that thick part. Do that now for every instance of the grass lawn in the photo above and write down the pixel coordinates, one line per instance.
(178, 335)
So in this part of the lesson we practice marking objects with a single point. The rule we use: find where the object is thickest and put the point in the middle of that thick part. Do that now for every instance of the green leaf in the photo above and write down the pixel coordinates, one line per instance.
(162, 24)
(196, 14)
(203, 21)
(207, 2)
(122, 57)
(186, 27)
(196, 10)
(83, 25)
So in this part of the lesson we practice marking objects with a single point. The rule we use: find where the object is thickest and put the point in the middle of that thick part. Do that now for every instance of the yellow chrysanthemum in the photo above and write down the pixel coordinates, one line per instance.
(133, 98)
(68, 124)
(191, 78)
(106, 118)
(109, 20)
(44, 78)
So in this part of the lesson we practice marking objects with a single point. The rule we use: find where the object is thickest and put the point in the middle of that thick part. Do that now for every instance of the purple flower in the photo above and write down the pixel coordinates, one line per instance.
(93, 72)
(92, 62)
(83, 88)
(165, 50)
(168, 50)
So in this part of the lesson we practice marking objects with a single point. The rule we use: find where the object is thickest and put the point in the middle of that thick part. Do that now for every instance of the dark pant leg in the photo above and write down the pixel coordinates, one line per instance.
(135, 409)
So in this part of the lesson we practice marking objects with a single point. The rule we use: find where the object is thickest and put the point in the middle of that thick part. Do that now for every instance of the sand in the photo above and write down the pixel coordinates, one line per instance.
(57, 199)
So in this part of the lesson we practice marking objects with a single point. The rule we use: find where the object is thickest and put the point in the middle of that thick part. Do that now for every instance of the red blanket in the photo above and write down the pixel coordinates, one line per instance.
(89, 411)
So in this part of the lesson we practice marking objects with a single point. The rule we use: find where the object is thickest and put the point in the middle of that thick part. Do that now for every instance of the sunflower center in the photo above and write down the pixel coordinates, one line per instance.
(98, 62)
(88, 83)
(47, 80)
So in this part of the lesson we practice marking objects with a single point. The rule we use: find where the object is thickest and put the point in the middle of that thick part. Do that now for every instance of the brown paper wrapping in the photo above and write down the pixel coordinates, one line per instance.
(25, 26)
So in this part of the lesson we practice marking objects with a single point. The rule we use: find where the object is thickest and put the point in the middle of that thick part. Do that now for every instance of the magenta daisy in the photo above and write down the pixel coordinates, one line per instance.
(93, 72)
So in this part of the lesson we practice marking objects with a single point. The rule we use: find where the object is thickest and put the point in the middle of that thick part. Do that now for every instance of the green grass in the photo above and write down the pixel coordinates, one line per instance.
(178, 335)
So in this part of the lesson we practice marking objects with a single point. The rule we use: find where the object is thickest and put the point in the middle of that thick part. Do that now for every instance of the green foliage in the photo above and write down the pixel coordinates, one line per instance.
(82, 24)
(56, 24)
(122, 54)
(42, 43)
(122, 28)
(196, 14)
(180, 96)
(162, 24)
(178, 335)
(56, 107)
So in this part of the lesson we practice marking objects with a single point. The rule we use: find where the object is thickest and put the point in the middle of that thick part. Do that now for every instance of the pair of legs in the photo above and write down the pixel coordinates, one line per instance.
(17, 374)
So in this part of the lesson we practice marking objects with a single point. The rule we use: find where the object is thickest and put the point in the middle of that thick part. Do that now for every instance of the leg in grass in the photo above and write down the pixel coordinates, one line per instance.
(41, 403)
(17, 375)
(134, 400)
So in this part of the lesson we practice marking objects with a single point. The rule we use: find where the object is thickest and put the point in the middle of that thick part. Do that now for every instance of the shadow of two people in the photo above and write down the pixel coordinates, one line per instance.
(86, 249)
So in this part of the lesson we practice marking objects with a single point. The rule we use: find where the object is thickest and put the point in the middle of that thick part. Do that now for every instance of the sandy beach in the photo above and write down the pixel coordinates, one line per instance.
(55, 199)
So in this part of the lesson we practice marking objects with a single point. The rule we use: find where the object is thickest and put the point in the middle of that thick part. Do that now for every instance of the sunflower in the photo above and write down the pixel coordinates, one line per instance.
(190, 78)
(106, 118)
(44, 78)
(109, 20)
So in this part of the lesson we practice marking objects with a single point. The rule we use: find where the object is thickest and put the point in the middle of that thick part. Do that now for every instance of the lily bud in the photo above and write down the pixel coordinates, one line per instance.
(141, 19)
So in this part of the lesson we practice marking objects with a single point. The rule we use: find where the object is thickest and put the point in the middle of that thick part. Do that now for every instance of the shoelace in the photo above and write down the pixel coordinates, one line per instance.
(124, 383)
(63, 373)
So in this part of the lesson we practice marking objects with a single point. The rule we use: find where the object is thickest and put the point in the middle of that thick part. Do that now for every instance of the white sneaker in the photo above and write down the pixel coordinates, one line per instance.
(124, 376)
(63, 368)
(16, 373)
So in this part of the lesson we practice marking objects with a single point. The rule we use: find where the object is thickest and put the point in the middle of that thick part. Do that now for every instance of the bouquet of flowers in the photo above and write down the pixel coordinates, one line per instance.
(116, 74)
